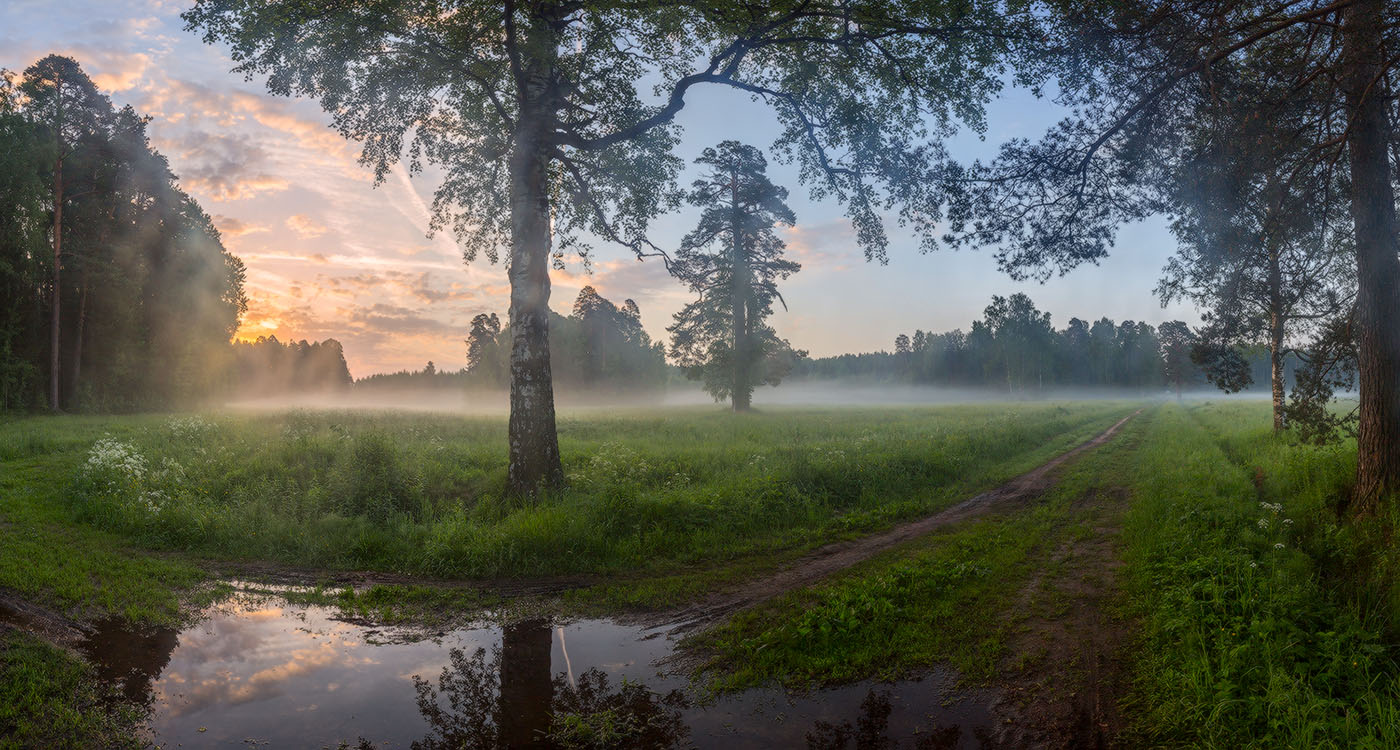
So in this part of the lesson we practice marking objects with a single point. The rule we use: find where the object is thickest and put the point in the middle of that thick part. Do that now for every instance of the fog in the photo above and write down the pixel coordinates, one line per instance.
(824, 394)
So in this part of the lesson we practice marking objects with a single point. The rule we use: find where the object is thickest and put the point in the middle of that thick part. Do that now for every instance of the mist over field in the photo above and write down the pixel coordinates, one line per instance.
(795, 394)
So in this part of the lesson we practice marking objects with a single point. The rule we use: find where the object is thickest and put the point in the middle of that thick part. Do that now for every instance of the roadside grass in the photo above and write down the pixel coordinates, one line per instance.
(650, 493)
(49, 699)
(1263, 624)
(949, 598)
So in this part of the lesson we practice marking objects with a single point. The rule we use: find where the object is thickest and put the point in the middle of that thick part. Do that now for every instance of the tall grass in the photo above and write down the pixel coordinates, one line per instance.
(647, 490)
(1255, 630)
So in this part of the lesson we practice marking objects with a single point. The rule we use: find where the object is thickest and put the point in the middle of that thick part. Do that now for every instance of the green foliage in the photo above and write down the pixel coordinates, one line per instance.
(377, 484)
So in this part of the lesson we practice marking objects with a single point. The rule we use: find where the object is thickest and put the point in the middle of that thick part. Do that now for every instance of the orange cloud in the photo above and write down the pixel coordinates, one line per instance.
(305, 226)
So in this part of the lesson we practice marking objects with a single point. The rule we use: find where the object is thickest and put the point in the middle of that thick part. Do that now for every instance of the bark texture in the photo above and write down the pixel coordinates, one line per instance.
(534, 444)
(1378, 268)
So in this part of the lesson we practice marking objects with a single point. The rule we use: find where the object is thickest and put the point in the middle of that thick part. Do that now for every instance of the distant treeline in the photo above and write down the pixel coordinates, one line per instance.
(268, 367)
(598, 347)
(1016, 348)
(115, 291)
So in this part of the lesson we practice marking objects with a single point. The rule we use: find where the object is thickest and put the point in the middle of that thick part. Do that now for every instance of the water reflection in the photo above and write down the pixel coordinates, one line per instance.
(534, 710)
(281, 675)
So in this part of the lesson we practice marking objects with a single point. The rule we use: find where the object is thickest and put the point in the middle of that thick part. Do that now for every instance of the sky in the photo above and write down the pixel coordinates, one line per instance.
(330, 255)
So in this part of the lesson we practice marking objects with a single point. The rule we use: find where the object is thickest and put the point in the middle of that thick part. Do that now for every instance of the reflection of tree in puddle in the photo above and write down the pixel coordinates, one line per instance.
(510, 700)
(871, 730)
(130, 659)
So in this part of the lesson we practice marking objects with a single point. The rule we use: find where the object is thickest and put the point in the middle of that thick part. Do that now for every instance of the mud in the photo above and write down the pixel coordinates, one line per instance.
(1065, 669)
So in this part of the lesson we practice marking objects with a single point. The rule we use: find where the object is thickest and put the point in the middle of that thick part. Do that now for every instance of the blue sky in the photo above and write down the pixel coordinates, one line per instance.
(329, 255)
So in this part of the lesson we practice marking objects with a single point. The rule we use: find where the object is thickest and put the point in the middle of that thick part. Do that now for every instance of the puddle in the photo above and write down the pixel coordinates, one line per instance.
(261, 672)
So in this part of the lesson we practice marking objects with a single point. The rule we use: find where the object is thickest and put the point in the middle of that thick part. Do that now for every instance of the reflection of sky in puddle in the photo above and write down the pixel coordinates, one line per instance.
(293, 676)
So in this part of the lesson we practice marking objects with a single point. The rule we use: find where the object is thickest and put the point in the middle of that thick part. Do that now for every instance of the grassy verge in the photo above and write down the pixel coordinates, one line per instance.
(48, 699)
(946, 599)
(1259, 629)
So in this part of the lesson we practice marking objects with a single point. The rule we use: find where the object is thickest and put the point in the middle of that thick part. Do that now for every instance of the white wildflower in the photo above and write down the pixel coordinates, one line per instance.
(1278, 545)
(1263, 523)
(112, 455)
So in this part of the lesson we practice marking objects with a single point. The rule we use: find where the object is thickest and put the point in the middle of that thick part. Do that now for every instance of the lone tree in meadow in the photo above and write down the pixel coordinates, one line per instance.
(554, 122)
(733, 259)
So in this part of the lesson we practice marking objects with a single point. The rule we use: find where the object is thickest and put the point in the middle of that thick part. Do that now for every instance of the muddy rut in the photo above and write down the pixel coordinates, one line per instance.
(837, 556)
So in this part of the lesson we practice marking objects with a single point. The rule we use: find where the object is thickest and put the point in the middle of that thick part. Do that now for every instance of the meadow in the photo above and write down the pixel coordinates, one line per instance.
(1250, 613)
(648, 491)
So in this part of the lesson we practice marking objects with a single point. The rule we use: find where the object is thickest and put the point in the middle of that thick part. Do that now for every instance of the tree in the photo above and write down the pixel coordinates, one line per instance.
(72, 111)
(1177, 341)
(733, 260)
(22, 240)
(1022, 336)
(536, 111)
(485, 328)
(141, 298)
(1260, 246)
(1056, 203)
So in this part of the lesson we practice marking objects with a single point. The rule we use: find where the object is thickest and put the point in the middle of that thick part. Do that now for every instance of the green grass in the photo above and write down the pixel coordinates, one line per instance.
(1261, 623)
(650, 493)
(48, 699)
(950, 598)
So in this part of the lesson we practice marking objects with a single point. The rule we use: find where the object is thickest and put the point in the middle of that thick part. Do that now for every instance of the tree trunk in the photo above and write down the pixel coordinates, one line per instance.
(1276, 370)
(1378, 268)
(57, 302)
(741, 395)
(1276, 324)
(534, 443)
(78, 339)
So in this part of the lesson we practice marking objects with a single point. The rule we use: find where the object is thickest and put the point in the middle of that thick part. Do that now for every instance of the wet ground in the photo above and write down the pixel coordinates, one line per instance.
(257, 671)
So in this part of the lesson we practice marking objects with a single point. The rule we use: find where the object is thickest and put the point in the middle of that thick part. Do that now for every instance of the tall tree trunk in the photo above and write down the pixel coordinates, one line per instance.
(1378, 268)
(57, 302)
(741, 396)
(77, 369)
(1276, 325)
(534, 442)
(1276, 370)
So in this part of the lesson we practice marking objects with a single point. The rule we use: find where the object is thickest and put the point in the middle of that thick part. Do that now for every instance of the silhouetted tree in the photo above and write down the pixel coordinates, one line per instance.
(485, 328)
(71, 112)
(733, 260)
